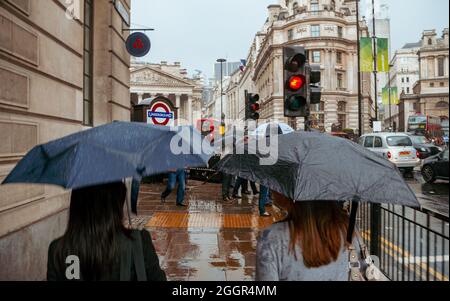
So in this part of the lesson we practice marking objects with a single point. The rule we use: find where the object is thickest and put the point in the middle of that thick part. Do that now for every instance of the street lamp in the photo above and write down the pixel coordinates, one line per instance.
(222, 117)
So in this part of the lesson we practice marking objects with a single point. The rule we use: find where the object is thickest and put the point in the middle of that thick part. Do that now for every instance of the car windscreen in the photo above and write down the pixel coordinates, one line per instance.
(419, 140)
(399, 141)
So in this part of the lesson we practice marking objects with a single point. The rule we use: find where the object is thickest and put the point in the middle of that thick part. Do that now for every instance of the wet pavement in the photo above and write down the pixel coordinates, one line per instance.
(208, 240)
(212, 241)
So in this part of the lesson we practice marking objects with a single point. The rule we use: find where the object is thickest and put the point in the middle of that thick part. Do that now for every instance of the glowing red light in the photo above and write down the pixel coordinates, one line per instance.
(296, 82)
(255, 107)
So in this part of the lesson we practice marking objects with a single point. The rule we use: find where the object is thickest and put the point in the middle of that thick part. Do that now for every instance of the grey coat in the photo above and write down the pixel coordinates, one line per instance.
(275, 263)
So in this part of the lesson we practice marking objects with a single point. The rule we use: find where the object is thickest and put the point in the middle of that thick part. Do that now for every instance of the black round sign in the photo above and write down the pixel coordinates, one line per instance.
(138, 44)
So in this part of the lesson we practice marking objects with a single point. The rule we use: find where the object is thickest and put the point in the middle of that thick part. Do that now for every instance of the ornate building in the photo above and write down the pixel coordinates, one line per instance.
(328, 29)
(431, 96)
(55, 79)
(151, 80)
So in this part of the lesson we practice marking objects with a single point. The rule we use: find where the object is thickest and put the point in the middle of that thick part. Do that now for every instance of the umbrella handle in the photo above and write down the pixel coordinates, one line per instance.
(352, 223)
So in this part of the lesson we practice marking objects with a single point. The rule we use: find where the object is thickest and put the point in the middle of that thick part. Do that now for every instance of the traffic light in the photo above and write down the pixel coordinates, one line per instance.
(252, 106)
(315, 78)
(296, 80)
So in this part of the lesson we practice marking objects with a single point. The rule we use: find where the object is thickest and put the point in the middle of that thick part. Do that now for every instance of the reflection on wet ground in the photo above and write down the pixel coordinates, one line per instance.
(433, 197)
(208, 240)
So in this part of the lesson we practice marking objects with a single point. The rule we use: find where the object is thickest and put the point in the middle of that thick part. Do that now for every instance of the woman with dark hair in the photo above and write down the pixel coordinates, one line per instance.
(104, 248)
(310, 245)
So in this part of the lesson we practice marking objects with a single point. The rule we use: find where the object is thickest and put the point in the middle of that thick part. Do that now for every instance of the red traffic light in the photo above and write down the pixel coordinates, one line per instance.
(296, 82)
(255, 107)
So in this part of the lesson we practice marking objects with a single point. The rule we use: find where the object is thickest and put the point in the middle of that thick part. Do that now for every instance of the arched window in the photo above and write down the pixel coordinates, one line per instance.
(442, 105)
(295, 8)
(430, 42)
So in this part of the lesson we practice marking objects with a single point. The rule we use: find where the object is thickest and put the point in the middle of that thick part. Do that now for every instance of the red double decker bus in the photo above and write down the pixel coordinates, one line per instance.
(428, 126)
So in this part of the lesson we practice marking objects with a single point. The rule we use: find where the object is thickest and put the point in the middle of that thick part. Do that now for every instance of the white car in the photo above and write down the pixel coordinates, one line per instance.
(395, 147)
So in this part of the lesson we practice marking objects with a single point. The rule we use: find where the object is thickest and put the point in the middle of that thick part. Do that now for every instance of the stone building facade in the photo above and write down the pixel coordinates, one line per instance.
(151, 80)
(431, 93)
(63, 68)
(328, 29)
(404, 74)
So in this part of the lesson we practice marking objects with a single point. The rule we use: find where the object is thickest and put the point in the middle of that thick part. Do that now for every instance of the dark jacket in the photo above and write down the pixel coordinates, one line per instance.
(56, 271)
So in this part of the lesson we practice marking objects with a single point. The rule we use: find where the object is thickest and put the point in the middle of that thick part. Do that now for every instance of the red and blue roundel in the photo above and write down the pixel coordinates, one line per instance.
(138, 44)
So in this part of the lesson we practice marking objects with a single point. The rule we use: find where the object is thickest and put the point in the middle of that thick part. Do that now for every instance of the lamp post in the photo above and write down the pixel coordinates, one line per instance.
(222, 116)
(360, 117)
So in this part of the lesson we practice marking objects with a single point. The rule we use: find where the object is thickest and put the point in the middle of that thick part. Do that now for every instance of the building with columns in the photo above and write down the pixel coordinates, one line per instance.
(431, 92)
(151, 80)
(64, 68)
(328, 29)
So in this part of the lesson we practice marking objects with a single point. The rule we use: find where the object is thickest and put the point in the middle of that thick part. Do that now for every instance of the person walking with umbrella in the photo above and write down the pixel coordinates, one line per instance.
(311, 175)
(96, 236)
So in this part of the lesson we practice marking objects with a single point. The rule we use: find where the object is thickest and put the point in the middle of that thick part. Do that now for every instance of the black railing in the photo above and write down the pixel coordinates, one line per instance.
(412, 245)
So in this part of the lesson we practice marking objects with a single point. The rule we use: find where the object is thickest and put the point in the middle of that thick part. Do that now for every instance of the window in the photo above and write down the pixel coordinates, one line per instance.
(339, 57)
(441, 63)
(316, 57)
(399, 141)
(407, 79)
(315, 31)
(441, 84)
(408, 90)
(430, 42)
(340, 81)
(88, 66)
(369, 141)
(403, 80)
(432, 85)
(290, 34)
(340, 32)
(378, 142)
(314, 7)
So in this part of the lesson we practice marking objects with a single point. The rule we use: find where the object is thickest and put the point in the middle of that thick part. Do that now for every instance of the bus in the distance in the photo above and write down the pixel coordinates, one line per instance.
(428, 126)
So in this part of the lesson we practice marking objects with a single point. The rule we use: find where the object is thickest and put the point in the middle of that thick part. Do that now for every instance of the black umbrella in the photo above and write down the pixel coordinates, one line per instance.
(312, 166)
(110, 153)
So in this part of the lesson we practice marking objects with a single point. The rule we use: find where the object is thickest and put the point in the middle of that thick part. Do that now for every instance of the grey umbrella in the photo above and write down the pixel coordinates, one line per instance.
(313, 166)
(110, 153)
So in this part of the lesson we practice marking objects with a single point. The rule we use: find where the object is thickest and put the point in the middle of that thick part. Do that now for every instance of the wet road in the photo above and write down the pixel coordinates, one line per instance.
(208, 240)
(433, 197)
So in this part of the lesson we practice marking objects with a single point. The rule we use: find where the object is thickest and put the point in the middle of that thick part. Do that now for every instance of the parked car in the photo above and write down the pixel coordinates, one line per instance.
(436, 167)
(425, 147)
(395, 147)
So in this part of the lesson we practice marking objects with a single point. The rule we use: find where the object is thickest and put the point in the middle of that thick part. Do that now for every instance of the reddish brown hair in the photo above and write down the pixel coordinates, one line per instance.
(319, 228)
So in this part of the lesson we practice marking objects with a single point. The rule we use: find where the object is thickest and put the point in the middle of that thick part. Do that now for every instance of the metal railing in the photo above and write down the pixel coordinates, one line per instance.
(412, 245)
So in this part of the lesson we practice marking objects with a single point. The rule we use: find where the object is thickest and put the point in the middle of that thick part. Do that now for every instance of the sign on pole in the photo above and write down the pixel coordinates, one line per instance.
(160, 114)
(138, 44)
(366, 55)
(383, 55)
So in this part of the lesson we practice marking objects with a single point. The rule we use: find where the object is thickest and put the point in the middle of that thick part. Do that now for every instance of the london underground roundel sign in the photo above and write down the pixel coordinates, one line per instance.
(160, 114)
(138, 44)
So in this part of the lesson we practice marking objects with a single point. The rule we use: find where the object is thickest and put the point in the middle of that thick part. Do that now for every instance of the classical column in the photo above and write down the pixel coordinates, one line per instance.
(140, 97)
(178, 105)
(189, 113)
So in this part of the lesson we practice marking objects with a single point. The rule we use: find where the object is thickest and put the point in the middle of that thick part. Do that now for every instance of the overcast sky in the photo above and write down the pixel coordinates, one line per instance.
(197, 32)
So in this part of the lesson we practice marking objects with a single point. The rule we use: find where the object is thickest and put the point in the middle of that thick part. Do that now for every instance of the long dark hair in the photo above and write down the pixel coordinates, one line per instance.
(94, 229)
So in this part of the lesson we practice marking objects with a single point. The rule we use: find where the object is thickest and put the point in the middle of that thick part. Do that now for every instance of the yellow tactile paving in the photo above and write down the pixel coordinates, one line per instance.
(207, 220)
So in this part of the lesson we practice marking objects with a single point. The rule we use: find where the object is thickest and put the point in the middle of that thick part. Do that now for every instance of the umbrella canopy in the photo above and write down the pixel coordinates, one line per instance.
(313, 166)
(272, 128)
(111, 153)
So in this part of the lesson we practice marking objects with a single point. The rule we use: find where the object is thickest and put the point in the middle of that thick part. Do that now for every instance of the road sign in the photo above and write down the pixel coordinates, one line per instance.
(138, 44)
(160, 114)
